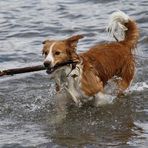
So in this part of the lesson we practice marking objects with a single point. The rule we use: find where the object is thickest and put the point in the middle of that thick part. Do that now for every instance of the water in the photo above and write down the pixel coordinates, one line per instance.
(26, 101)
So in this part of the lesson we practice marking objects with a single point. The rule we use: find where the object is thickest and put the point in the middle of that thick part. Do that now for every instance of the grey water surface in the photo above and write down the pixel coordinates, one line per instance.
(26, 100)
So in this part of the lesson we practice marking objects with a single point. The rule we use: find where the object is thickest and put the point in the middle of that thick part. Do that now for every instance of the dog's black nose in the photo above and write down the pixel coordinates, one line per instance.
(47, 64)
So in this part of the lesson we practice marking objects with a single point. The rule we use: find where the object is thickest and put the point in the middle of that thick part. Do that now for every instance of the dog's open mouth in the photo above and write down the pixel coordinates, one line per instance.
(59, 65)
(50, 70)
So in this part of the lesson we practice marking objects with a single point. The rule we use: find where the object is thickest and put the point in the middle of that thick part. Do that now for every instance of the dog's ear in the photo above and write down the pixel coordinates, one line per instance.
(72, 41)
(46, 41)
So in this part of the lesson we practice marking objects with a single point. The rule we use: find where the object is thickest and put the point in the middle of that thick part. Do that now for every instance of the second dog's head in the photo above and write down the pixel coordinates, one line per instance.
(59, 51)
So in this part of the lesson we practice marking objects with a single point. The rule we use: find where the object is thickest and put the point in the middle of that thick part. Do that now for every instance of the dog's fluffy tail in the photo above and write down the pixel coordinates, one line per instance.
(123, 29)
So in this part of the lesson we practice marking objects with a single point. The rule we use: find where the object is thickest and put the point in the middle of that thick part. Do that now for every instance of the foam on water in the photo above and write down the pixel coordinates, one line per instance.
(27, 100)
(111, 89)
(16, 129)
(140, 86)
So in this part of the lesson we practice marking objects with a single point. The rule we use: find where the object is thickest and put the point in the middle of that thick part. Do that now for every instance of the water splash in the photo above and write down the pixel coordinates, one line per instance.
(140, 86)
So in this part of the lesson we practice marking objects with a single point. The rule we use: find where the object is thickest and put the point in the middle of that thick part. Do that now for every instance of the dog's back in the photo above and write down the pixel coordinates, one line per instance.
(116, 58)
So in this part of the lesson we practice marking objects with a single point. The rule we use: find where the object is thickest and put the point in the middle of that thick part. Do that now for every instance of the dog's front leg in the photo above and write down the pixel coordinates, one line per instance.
(58, 82)
(57, 87)
(74, 98)
(62, 100)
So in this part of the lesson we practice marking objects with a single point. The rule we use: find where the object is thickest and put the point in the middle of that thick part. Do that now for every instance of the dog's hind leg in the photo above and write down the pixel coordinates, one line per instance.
(102, 99)
(126, 79)
(122, 86)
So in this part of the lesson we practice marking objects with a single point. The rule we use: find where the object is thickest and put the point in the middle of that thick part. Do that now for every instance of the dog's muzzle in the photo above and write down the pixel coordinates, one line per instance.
(51, 69)
(47, 65)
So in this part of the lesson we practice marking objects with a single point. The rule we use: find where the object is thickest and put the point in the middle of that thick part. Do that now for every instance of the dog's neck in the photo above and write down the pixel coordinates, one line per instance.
(74, 66)
(66, 74)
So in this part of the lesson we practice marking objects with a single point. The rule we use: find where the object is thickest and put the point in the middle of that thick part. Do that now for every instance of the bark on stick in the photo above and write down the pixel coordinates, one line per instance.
(22, 70)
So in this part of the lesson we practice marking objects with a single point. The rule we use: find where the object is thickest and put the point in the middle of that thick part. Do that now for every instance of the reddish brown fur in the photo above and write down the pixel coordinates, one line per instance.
(102, 61)
(112, 59)
(66, 48)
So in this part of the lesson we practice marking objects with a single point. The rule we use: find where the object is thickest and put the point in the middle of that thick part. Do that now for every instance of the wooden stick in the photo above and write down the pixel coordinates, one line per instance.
(22, 70)
(32, 69)
(52, 69)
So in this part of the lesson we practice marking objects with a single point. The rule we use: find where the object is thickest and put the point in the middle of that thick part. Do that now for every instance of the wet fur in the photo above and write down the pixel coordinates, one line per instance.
(100, 63)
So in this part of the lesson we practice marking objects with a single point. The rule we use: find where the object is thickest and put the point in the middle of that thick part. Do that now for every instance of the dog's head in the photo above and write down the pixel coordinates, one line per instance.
(60, 51)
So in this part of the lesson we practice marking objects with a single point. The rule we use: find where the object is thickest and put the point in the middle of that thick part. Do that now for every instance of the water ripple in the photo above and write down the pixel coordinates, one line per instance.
(27, 102)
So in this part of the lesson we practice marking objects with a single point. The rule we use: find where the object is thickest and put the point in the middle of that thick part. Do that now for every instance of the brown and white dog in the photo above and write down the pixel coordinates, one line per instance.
(86, 79)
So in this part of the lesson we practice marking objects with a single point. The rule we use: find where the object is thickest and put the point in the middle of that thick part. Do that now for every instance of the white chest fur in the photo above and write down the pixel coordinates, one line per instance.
(74, 84)
(70, 80)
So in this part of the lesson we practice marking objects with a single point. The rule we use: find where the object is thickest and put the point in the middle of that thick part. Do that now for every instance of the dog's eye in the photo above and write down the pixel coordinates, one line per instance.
(57, 53)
